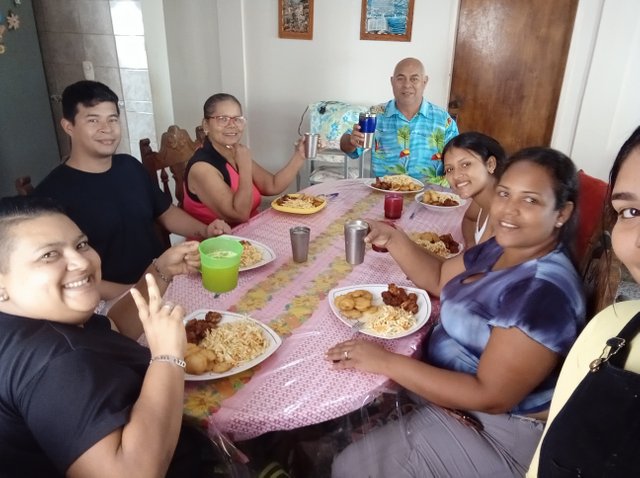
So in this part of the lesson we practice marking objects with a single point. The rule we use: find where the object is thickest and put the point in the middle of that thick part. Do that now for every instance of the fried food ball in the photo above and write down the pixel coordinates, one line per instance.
(347, 303)
(352, 314)
(361, 303)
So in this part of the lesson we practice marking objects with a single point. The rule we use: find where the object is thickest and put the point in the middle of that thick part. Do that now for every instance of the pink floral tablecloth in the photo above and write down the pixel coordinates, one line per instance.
(296, 386)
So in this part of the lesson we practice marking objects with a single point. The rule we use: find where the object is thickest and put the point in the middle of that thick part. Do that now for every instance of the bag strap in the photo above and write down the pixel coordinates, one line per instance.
(616, 350)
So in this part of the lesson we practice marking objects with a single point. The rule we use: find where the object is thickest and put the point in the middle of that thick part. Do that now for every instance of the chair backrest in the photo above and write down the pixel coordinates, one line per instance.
(176, 148)
(601, 273)
(592, 198)
(599, 267)
(24, 186)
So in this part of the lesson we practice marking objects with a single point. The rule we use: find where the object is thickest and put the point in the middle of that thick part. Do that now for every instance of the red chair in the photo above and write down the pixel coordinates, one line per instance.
(593, 194)
(599, 267)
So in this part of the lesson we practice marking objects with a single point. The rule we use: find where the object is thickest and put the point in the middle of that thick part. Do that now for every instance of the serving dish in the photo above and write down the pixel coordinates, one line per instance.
(320, 200)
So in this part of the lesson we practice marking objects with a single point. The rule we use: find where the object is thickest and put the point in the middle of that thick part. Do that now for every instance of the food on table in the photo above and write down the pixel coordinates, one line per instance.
(443, 245)
(390, 321)
(398, 297)
(394, 316)
(196, 329)
(250, 254)
(397, 182)
(355, 304)
(223, 346)
(299, 201)
(435, 198)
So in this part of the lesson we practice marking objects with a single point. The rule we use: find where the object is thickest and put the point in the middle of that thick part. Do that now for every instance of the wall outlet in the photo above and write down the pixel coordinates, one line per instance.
(87, 68)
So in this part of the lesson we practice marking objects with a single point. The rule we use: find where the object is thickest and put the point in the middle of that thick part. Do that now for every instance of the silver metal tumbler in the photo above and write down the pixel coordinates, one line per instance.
(354, 246)
(311, 145)
(299, 243)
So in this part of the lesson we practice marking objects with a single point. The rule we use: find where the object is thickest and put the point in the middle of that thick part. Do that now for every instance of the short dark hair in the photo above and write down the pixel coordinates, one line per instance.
(212, 101)
(87, 93)
(481, 144)
(565, 181)
(17, 209)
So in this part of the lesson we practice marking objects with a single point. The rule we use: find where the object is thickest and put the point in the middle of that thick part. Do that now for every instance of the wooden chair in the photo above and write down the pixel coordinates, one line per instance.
(24, 186)
(176, 148)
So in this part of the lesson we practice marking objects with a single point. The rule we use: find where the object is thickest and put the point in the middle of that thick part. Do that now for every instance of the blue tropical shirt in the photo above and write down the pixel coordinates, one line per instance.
(541, 297)
(412, 147)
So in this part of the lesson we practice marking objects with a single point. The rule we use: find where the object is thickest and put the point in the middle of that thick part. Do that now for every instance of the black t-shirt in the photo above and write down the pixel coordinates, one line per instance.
(116, 210)
(62, 389)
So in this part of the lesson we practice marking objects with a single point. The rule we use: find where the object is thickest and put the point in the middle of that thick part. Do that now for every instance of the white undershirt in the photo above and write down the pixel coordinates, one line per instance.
(479, 232)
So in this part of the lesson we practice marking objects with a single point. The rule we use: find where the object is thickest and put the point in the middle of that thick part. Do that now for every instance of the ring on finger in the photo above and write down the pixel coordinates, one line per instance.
(168, 305)
(346, 355)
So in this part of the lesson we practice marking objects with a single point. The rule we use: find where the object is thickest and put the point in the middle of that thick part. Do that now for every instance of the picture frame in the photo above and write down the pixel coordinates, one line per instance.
(385, 20)
(295, 19)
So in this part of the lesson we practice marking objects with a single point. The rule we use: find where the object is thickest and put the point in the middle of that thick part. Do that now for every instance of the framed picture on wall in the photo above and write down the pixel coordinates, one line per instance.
(386, 20)
(295, 19)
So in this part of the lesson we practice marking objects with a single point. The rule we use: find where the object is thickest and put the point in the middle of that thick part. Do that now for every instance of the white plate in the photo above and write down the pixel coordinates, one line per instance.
(422, 316)
(267, 253)
(227, 317)
(448, 256)
(419, 183)
(461, 202)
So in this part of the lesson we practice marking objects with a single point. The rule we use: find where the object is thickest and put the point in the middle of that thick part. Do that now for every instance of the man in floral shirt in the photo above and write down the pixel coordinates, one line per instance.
(410, 133)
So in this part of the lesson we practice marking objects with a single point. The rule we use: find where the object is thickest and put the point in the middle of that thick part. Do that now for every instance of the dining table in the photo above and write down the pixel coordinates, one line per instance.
(297, 386)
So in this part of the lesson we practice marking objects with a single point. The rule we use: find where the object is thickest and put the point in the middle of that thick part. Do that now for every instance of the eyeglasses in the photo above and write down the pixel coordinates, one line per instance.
(224, 120)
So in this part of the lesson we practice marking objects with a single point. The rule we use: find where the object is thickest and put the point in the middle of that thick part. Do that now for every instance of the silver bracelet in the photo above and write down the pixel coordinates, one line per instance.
(162, 276)
(169, 358)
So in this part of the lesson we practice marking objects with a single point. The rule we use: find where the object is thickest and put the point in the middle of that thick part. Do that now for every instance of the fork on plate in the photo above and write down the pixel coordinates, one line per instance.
(357, 326)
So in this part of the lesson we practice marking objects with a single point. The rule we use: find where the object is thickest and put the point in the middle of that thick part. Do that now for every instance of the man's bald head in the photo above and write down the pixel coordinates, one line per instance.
(408, 83)
(413, 63)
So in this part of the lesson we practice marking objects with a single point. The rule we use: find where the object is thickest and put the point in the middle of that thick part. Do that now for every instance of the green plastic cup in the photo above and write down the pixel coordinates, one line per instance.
(219, 263)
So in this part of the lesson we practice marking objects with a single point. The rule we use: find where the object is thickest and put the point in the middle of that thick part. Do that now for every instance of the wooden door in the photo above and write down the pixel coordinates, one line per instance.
(508, 68)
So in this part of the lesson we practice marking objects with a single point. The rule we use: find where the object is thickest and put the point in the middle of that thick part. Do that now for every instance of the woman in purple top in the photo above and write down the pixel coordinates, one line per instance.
(510, 309)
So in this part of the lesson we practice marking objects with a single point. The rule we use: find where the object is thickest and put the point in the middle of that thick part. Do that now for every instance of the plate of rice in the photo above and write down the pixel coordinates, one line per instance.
(254, 254)
(443, 245)
(232, 344)
(379, 319)
(299, 203)
(440, 200)
(397, 183)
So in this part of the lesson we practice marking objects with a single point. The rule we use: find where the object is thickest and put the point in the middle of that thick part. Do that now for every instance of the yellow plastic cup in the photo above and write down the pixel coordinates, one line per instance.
(219, 263)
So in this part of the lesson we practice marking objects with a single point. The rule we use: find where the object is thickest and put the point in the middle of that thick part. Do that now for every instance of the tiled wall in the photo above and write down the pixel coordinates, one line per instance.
(110, 35)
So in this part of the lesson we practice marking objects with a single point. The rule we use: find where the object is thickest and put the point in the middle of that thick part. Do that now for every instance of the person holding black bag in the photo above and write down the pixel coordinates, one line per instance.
(594, 422)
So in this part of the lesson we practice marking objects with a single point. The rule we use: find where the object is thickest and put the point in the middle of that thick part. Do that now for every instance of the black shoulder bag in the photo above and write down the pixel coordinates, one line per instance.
(597, 432)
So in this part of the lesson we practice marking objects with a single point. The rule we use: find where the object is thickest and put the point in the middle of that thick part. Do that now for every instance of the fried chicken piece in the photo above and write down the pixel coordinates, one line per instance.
(197, 329)
(398, 297)
(450, 242)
